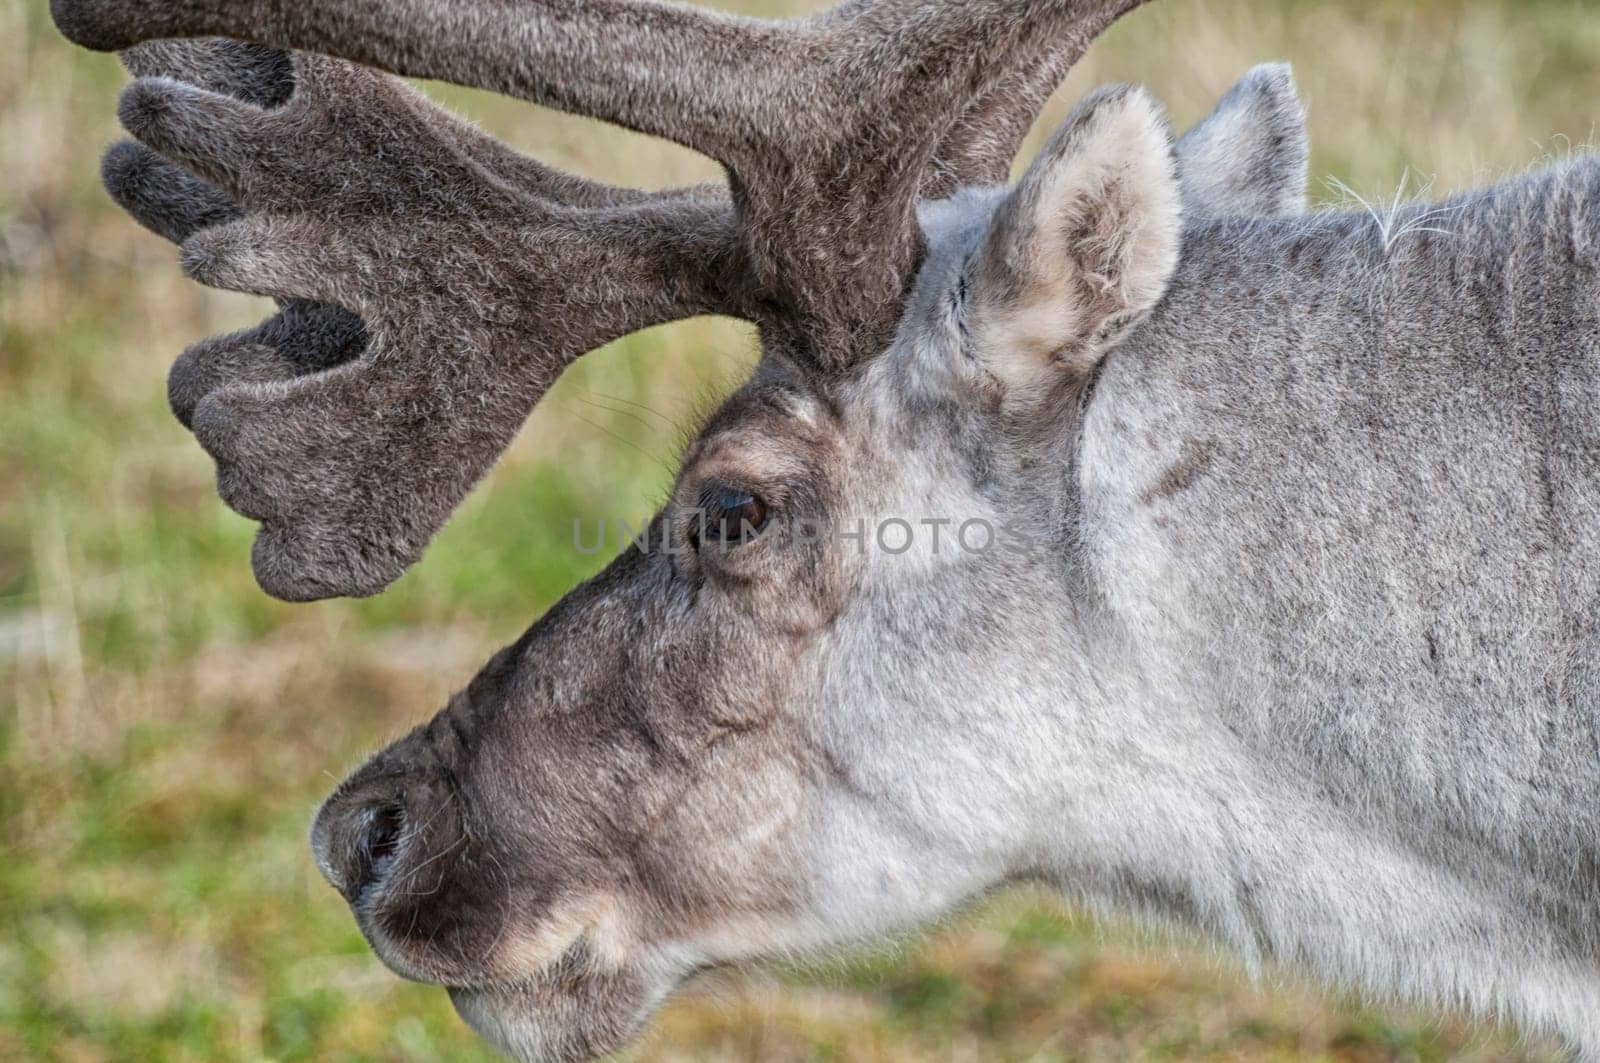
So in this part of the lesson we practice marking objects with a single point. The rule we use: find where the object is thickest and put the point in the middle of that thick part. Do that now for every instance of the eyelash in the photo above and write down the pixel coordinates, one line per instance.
(724, 514)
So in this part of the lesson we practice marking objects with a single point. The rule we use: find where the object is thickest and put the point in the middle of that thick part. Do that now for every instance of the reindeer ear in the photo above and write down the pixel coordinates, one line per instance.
(1082, 247)
(1250, 155)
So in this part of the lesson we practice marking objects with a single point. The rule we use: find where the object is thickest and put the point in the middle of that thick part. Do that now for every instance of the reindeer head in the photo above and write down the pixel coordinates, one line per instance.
(752, 735)
(779, 721)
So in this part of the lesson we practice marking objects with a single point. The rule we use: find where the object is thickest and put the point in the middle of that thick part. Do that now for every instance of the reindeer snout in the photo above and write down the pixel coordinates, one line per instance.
(356, 839)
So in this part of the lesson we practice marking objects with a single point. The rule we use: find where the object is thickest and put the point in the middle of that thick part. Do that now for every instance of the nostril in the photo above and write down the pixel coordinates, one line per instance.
(382, 840)
(356, 841)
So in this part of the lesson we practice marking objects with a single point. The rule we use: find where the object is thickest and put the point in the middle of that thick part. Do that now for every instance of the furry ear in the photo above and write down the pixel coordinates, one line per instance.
(1083, 246)
(1251, 154)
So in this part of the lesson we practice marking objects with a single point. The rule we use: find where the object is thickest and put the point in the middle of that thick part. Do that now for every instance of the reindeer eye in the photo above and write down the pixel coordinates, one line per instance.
(731, 517)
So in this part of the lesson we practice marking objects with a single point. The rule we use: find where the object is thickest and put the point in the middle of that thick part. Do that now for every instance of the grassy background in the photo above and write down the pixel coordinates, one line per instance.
(166, 730)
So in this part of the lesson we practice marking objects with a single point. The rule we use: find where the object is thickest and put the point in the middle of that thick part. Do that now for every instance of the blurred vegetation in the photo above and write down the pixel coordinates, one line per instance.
(166, 730)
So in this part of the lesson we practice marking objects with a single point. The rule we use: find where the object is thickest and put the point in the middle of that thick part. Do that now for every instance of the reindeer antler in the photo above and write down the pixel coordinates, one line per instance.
(476, 292)
(826, 124)
(482, 274)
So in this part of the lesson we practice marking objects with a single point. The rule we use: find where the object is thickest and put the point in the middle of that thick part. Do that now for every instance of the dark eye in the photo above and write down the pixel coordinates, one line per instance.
(731, 517)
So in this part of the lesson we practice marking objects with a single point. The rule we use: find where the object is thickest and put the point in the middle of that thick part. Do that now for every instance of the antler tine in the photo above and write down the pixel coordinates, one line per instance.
(312, 336)
(303, 336)
(826, 124)
(981, 146)
(265, 76)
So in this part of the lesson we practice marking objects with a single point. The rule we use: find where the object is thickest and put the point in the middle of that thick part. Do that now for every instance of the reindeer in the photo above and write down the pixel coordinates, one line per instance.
(1293, 637)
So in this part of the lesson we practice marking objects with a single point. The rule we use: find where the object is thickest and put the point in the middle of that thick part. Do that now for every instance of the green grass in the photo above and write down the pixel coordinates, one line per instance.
(166, 730)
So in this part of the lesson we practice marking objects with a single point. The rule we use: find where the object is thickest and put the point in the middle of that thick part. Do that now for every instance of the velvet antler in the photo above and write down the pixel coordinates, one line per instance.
(826, 124)
(480, 274)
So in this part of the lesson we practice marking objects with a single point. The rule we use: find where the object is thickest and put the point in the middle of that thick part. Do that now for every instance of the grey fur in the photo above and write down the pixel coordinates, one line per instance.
(1304, 655)
(1253, 146)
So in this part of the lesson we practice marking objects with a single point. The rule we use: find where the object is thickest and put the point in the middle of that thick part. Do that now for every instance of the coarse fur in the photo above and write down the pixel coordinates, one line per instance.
(1284, 631)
